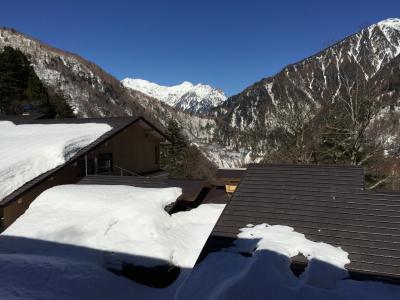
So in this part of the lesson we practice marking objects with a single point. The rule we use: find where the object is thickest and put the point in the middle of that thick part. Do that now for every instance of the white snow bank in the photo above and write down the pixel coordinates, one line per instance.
(190, 232)
(266, 273)
(286, 241)
(28, 271)
(28, 151)
(128, 222)
(60, 247)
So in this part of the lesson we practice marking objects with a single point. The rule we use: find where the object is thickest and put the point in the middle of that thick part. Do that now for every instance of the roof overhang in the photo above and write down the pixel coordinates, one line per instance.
(152, 129)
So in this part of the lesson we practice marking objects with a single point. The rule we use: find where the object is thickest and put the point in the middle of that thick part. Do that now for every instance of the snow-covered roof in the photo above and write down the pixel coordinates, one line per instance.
(328, 204)
(28, 151)
(191, 188)
(257, 266)
(90, 229)
(80, 136)
(72, 234)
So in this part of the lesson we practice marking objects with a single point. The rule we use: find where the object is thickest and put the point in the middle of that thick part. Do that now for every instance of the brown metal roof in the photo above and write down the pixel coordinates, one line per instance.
(230, 173)
(117, 123)
(190, 188)
(216, 195)
(327, 204)
(22, 119)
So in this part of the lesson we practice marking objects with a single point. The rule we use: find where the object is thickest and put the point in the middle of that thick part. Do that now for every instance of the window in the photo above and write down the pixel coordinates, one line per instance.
(157, 154)
(81, 168)
(104, 163)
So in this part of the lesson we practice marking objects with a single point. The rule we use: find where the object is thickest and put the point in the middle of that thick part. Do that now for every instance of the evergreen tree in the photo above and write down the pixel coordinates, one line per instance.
(21, 89)
(173, 155)
(14, 74)
(182, 159)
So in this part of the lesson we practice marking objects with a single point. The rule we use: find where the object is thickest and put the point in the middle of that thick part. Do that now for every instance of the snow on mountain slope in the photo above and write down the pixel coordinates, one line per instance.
(259, 116)
(186, 96)
(89, 90)
(245, 127)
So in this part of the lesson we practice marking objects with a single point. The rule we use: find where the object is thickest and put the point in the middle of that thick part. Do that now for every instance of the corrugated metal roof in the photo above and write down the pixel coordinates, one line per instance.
(117, 123)
(22, 119)
(216, 195)
(327, 204)
(230, 173)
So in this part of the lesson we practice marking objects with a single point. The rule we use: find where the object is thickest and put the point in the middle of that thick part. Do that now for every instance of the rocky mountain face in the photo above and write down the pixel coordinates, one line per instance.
(266, 114)
(91, 92)
(88, 90)
(276, 113)
(187, 97)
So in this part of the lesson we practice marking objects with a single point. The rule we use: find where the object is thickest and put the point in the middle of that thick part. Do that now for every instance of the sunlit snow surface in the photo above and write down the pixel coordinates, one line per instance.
(284, 240)
(28, 151)
(264, 273)
(124, 223)
(186, 96)
(60, 248)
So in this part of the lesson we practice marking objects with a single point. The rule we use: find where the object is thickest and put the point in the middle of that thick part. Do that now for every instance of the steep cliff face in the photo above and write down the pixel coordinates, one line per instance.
(262, 114)
(91, 92)
(86, 87)
(261, 120)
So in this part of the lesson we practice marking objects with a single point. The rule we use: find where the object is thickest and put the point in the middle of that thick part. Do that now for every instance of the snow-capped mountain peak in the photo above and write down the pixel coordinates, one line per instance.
(194, 98)
(394, 23)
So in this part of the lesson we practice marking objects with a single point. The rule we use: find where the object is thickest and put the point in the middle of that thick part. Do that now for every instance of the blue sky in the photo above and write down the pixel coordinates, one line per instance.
(227, 44)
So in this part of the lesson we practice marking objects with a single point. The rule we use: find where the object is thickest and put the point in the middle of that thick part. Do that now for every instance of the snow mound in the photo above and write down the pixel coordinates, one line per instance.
(30, 272)
(61, 247)
(28, 151)
(124, 223)
(286, 241)
(266, 273)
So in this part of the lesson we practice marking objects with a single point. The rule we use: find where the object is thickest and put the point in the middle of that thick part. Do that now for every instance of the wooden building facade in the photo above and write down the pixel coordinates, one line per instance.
(131, 147)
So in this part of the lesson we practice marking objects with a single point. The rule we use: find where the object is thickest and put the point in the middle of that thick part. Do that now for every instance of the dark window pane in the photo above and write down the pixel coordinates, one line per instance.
(104, 163)
(81, 168)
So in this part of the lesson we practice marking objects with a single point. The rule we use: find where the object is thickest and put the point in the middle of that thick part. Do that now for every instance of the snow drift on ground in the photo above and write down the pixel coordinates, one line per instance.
(28, 151)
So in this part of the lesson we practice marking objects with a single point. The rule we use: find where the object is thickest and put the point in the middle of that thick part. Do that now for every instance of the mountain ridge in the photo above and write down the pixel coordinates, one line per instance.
(254, 106)
(265, 119)
(193, 98)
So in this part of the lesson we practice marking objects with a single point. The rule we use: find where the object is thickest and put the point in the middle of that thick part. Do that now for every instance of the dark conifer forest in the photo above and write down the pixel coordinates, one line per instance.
(22, 91)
